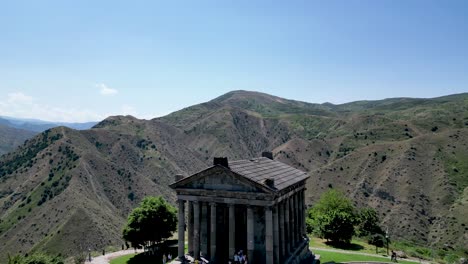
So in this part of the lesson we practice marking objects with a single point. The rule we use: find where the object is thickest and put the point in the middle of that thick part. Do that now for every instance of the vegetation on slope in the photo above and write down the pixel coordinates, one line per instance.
(10, 138)
(403, 157)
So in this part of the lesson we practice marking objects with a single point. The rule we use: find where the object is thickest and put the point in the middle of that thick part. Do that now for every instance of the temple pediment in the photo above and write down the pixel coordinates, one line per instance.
(220, 179)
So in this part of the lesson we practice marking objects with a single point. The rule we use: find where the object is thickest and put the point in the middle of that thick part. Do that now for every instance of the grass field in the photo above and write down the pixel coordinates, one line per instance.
(122, 259)
(413, 251)
(339, 257)
(356, 245)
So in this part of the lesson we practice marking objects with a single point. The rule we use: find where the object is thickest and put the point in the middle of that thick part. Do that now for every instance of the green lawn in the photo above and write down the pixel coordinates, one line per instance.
(356, 245)
(326, 256)
(122, 259)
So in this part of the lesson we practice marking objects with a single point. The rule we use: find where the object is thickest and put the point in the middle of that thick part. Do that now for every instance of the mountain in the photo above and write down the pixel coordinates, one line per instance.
(36, 125)
(14, 131)
(67, 190)
(10, 138)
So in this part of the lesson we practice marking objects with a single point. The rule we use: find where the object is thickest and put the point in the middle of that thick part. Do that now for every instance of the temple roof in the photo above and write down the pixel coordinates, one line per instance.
(261, 174)
(260, 169)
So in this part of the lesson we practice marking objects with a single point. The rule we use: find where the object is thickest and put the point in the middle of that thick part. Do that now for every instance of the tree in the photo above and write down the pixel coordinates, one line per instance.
(377, 240)
(153, 221)
(368, 223)
(333, 217)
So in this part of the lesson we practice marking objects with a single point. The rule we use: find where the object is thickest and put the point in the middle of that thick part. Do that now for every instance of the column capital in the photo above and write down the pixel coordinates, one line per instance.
(213, 204)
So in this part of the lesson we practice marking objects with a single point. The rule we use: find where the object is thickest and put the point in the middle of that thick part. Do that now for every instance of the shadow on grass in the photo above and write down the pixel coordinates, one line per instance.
(143, 259)
(350, 246)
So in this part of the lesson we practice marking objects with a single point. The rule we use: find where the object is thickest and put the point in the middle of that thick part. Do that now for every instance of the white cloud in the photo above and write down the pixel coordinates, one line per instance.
(19, 98)
(20, 105)
(105, 90)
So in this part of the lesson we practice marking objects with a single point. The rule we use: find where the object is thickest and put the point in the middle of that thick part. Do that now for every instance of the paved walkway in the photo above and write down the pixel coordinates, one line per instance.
(106, 258)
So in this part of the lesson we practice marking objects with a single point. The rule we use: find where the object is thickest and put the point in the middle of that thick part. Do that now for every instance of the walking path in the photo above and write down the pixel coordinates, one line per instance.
(105, 259)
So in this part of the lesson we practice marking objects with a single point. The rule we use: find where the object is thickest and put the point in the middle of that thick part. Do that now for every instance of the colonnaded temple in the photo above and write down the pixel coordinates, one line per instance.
(255, 205)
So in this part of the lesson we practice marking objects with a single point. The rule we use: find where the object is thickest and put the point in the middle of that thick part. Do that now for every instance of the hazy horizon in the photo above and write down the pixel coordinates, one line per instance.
(83, 61)
(148, 118)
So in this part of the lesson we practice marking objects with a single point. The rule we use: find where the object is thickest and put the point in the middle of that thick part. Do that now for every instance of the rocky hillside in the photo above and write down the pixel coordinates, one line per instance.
(67, 190)
(10, 138)
(14, 131)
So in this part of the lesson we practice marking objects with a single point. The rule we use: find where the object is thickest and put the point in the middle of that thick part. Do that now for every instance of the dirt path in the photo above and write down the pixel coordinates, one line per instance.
(106, 258)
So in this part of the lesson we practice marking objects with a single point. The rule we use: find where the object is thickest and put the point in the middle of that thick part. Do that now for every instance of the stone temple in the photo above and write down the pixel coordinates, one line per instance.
(256, 205)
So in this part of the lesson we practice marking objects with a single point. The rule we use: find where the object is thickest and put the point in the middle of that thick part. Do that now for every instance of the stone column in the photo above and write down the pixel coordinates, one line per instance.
(213, 231)
(181, 229)
(299, 218)
(296, 218)
(232, 230)
(268, 235)
(282, 227)
(276, 235)
(250, 234)
(292, 223)
(204, 229)
(301, 215)
(304, 212)
(190, 227)
(287, 230)
(196, 230)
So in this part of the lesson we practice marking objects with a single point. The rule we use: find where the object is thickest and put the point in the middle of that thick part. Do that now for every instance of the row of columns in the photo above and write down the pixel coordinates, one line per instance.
(284, 228)
(291, 225)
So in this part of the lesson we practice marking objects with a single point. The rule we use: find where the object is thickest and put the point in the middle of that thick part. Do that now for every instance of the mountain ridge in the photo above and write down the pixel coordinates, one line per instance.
(10, 138)
(406, 162)
(14, 131)
(36, 125)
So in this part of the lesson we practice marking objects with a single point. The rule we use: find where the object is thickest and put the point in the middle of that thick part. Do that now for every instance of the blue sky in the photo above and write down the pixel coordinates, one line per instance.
(85, 60)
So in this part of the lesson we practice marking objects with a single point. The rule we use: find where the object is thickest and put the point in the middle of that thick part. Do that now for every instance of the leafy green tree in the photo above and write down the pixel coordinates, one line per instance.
(368, 223)
(333, 217)
(309, 225)
(153, 221)
(377, 240)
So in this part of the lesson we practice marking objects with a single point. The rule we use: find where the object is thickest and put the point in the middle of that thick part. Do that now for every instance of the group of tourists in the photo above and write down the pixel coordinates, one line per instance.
(240, 258)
